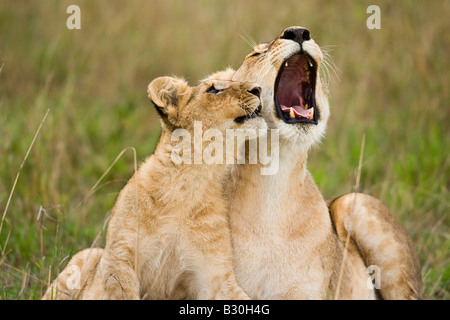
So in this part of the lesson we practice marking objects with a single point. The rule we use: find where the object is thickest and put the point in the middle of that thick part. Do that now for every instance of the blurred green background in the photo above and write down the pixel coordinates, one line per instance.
(390, 85)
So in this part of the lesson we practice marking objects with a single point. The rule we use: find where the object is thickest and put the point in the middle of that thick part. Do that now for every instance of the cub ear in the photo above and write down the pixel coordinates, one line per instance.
(166, 94)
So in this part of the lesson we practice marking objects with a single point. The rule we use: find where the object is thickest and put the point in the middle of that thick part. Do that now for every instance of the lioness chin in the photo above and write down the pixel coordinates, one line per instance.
(288, 244)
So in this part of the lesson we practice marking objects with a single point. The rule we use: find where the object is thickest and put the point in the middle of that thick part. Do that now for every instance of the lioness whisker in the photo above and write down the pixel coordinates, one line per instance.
(248, 39)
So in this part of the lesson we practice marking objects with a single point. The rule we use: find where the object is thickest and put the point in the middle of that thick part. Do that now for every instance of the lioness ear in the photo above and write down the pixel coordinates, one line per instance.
(166, 93)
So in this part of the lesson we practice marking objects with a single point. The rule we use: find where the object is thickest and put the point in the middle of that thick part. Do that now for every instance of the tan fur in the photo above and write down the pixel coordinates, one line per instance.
(84, 263)
(285, 244)
(168, 236)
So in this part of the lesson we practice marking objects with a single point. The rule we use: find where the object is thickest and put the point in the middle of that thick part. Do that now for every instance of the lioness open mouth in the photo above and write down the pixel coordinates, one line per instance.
(254, 114)
(295, 90)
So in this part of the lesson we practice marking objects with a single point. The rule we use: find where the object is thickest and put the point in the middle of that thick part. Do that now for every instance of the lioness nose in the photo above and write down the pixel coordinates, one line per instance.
(296, 34)
(256, 91)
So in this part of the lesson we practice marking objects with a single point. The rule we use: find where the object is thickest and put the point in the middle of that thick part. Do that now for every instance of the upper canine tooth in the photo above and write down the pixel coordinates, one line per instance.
(286, 64)
(292, 113)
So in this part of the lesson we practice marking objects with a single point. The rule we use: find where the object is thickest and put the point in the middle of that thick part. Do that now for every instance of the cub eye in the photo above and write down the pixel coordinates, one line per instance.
(213, 90)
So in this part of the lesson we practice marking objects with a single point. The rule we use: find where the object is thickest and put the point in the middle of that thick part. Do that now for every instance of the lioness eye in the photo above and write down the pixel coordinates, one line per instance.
(255, 54)
(213, 90)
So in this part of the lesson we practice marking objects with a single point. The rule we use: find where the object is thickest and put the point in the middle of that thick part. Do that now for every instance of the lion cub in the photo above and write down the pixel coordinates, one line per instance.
(168, 236)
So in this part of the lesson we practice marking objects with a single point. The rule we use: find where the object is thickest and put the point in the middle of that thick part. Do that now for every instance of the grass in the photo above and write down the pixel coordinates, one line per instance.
(392, 88)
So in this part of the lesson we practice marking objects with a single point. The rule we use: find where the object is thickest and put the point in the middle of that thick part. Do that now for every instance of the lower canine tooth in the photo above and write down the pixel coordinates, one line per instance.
(311, 114)
(291, 113)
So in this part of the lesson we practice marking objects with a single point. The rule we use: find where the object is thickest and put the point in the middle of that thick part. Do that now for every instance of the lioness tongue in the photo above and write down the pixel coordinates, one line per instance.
(299, 111)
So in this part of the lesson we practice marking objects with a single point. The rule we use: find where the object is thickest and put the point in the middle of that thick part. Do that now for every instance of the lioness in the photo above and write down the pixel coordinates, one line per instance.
(288, 244)
(168, 236)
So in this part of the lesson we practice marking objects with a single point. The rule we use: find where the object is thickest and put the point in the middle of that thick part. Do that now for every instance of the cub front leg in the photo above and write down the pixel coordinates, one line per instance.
(208, 242)
(115, 279)
(216, 278)
(222, 287)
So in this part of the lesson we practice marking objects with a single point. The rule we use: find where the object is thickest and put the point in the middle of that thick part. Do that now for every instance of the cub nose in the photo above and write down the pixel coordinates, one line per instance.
(255, 91)
(296, 34)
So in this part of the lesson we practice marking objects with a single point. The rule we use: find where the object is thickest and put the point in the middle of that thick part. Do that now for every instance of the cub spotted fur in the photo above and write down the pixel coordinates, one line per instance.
(168, 236)
(288, 244)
